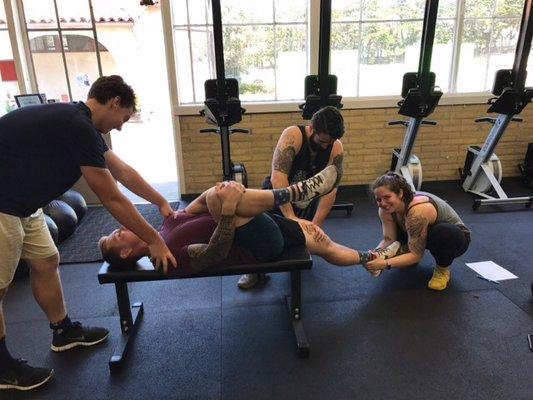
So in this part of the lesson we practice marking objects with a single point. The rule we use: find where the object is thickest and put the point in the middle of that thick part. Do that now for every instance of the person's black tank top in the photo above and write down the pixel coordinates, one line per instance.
(303, 166)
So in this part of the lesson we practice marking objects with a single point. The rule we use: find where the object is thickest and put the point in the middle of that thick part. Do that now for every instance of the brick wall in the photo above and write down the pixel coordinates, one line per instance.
(368, 143)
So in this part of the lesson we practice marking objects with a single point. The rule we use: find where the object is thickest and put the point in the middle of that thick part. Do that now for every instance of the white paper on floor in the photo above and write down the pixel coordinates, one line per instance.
(491, 270)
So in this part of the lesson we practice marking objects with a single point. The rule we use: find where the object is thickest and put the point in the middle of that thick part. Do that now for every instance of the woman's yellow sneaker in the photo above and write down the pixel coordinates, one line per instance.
(441, 277)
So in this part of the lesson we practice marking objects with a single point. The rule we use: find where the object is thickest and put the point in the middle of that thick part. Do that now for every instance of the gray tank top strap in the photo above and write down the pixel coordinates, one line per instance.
(422, 202)
(445, 212)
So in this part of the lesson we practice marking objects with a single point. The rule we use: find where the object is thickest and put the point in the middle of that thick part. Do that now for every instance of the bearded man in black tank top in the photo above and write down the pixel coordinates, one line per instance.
(301, 152)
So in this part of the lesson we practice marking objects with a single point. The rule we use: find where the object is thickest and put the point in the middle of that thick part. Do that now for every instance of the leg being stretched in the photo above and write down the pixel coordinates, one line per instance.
(198, 205)
(255, 202)
(321, 245)
(214, 207)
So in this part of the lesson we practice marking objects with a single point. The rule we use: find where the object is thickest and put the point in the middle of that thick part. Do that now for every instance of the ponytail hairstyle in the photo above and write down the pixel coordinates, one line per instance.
(395, 183)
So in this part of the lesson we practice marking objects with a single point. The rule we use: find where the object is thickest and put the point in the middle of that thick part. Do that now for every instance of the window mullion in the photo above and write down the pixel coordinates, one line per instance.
(457, 42)
(95, 37)
(275, 43)
(492, 22)
(18, 36)
(63, 56)
(190, 50)
(314, 36)
(359, 47)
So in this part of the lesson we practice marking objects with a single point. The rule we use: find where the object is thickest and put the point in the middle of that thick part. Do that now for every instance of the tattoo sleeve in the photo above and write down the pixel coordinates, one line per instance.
(416, 227)
(284, 156)
(204, 255)
(337, 161)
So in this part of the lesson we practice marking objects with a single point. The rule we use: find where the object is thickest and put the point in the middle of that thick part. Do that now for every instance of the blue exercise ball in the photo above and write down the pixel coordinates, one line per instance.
(76, 201)
(64, 217)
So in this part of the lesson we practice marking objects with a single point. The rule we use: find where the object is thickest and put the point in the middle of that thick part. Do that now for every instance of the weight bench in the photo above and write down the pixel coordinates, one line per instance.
(293, 260)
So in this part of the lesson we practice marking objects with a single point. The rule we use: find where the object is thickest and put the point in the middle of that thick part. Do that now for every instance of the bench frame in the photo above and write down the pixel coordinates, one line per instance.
(131, 315)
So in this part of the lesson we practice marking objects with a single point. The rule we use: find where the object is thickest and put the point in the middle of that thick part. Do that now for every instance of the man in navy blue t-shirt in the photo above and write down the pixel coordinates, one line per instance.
(44, 150)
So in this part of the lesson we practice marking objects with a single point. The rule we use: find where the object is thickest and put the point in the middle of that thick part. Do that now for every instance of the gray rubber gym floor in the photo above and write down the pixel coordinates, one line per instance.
(385, 338)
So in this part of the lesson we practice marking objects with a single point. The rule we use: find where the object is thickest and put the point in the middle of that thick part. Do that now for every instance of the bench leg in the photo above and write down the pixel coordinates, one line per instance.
(294, 302)
(129, 323)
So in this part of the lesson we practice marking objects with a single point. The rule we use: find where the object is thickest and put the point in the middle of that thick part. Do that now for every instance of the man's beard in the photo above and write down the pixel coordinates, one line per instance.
(315, 147)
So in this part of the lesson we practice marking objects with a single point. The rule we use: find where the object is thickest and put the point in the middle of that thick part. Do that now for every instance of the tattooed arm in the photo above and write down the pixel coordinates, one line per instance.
(289, 144)
(205, 255)
(416, 224)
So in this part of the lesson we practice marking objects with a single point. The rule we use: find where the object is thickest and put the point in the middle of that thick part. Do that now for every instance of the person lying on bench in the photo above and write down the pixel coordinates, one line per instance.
(244, 233)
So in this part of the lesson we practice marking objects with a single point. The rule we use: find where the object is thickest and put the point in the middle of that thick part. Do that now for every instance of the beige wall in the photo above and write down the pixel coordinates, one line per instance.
(368, 142)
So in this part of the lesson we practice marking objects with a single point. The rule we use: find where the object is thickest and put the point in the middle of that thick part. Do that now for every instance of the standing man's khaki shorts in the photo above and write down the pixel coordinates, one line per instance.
(27, 238)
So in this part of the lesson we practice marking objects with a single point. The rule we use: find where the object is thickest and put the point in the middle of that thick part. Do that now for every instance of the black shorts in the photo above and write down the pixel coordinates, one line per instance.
(266, 235)
(291, 230)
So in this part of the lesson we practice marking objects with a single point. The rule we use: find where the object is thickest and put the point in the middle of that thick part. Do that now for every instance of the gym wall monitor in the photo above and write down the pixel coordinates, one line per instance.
(24, 100)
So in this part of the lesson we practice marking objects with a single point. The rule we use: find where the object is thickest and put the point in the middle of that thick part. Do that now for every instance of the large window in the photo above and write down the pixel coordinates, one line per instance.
(373, 43)
(488, 42)
(63, 47)
(71, 47)
(265, 47)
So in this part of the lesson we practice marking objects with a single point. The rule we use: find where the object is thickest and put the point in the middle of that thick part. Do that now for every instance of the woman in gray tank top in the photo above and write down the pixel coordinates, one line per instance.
(419, 221)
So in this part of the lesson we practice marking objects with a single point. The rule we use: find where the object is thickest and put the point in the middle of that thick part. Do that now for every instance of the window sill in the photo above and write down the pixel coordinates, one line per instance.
(349, 103)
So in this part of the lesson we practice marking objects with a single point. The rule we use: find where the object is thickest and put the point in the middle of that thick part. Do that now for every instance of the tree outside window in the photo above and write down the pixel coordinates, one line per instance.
(265, 48)
(373, 43)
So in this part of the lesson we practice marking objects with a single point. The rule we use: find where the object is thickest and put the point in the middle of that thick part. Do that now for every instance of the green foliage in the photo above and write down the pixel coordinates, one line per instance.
(256, 86)
(258, 45)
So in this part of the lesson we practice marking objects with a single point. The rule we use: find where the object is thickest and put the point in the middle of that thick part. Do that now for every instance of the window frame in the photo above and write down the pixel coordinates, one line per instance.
(24, 69)
(188, 28)
(25, 34)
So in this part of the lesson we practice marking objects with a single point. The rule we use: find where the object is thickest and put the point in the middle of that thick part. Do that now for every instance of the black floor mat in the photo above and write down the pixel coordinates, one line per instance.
(82, 246)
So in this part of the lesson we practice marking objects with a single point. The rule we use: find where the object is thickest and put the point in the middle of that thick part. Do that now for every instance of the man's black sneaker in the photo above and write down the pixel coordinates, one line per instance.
(21, 376)
(78, 335)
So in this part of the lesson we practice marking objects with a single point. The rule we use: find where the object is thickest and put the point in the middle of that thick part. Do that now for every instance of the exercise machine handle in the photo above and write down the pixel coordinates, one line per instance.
(399, 122)
(239, 130)
(429, 122)
(485, 119)
(517, 119)
(209, 130)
